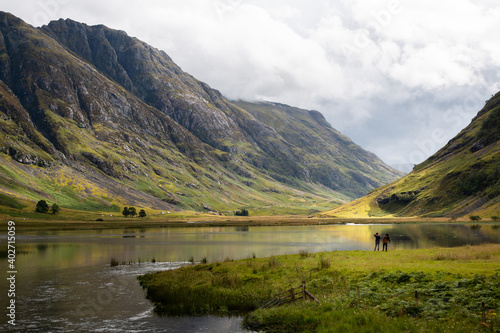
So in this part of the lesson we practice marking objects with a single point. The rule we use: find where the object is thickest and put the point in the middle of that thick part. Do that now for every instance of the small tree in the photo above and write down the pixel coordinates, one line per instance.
(495, 218)
(42, 207)
(54, 209)
(242, 212)
(142, 213)
(475, 218)
(125, 211)
(132, 212)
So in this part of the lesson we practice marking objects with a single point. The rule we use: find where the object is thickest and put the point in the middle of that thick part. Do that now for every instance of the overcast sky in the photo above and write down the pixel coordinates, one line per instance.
(398, 77)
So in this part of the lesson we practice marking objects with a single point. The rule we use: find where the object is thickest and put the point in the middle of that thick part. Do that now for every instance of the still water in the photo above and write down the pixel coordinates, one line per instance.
(64, 282)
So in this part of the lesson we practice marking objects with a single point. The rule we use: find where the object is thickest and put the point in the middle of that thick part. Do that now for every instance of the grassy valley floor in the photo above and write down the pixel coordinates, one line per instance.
(97, 220)
(425, 290)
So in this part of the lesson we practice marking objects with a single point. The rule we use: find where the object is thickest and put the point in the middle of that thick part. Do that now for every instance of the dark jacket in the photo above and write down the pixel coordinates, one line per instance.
(386, 239)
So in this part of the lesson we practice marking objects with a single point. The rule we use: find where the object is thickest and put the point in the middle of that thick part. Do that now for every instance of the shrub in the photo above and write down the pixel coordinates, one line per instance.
(132, 211)
(42, 207)
(55, 208)
(125, 211)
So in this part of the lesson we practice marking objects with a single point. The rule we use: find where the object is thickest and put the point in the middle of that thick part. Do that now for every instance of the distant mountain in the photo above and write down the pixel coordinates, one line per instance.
(460, 179)
(91, 118)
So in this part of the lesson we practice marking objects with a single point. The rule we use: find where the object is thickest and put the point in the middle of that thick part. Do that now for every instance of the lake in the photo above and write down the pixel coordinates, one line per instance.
(65, 282)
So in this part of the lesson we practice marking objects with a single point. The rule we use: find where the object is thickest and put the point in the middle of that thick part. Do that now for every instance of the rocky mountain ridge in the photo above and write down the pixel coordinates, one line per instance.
(106, 108)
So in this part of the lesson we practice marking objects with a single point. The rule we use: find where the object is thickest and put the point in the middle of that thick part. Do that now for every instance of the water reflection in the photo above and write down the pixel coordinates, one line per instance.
(65, 281)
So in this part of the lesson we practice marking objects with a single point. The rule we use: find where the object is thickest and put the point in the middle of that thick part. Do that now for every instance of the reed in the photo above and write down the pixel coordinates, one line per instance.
(114, 262)
(303, 254)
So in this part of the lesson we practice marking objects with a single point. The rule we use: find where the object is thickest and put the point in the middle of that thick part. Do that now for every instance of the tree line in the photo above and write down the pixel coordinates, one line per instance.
(131, 211)
(43, 207)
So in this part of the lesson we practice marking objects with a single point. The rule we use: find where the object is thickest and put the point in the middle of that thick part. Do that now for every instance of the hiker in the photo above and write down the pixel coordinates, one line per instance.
(377, 242)
(386, 240)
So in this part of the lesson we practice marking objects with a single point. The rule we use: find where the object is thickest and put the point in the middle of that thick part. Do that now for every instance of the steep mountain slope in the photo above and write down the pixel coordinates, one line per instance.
(326, 156)
(460, 179)
(90, 117)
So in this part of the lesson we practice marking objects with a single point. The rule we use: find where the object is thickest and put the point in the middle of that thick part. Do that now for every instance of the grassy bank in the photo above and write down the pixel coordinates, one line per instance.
(451, 285)
(192, 219)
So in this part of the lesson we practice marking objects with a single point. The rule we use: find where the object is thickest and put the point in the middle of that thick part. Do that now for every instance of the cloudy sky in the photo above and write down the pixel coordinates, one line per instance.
(398, 77)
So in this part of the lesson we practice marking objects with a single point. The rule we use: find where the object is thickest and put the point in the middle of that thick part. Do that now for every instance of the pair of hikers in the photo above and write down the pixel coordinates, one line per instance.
(385, 241)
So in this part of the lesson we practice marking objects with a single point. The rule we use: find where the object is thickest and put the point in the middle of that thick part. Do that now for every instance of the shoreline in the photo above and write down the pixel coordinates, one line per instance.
(24, 223)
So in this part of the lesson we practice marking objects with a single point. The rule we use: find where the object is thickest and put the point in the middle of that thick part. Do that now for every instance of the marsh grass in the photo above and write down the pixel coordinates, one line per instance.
(451, 285)
(324, 263)
(303, 254)
(204, 289)
(454, 256)
(114, 262)
(273, 262)
(226, 280)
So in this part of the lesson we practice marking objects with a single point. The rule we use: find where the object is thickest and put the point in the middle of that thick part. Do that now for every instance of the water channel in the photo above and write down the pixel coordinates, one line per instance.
(65, 283)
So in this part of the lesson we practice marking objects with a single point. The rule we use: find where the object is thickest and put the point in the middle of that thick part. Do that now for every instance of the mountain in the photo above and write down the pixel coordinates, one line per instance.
(460, 179)
(93, 119)
(325, 155)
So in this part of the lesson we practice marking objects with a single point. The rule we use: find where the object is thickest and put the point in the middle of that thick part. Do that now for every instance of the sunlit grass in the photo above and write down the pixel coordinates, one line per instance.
(451, 282)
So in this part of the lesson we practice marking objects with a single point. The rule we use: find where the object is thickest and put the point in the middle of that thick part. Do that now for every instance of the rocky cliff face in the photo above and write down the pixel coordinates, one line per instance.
(115, 110)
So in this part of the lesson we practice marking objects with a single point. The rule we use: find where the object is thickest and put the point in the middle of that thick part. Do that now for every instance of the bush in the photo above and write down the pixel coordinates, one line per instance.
(55, 208)
(42, 207)
(125, 211)
(132, 211)
(474, 217)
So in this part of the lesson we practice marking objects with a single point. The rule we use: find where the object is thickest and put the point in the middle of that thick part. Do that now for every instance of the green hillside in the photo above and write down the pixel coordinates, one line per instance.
(461, 179)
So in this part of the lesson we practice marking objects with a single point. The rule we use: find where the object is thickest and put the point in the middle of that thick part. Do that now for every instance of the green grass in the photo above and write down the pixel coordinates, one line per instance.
(10, 202)
(451, 284)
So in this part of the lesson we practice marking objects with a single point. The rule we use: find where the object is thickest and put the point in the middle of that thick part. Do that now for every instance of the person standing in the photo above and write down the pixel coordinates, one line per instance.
(377, 242)
(386, 240)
